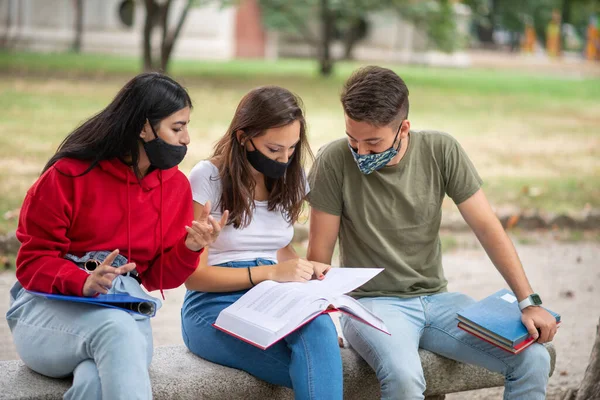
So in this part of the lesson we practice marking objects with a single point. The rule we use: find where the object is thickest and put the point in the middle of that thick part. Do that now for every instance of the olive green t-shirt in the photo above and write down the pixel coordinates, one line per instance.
(391, 218)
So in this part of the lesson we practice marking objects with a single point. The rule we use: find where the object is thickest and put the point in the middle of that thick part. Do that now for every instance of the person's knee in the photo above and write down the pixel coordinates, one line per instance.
(535, 361)
(322, 327)
(86, 382)
(399, 380)
(122, 332)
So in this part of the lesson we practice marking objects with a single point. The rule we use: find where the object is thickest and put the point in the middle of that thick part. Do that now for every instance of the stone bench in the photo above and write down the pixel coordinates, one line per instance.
(178, 374)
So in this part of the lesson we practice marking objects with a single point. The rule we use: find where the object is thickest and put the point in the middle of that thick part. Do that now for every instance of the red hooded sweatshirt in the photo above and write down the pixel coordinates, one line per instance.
(104, 209)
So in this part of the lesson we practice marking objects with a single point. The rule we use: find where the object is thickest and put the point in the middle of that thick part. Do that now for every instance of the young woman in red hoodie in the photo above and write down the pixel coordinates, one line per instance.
(112, 198)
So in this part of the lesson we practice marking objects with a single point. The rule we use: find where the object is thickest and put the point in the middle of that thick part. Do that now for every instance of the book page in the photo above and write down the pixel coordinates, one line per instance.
(351, 306)
(273, 305)
(270, 304)
(337, 281)
(271, 310)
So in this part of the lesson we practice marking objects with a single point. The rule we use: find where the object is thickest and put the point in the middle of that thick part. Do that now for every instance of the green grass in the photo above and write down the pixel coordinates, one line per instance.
(533, 138)
(479, 81)
(559, 195)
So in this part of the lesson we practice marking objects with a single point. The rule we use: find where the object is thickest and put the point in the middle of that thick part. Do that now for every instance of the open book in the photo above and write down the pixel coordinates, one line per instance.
(271, 310)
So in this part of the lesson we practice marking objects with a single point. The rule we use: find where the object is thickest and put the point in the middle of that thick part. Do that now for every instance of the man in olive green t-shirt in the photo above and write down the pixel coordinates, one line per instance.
(380, 191)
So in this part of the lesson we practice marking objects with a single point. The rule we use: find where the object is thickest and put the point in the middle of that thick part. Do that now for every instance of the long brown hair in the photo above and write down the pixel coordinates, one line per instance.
(261, 109)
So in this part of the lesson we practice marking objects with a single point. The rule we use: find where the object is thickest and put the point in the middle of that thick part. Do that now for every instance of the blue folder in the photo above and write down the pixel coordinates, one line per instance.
(125, 302)
(498, 316)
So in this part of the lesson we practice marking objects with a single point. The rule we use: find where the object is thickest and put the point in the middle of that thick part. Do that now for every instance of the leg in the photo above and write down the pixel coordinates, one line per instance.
(197, 316)
(526, 373)
(308, 360)
(395, 359)
(86, 382)
(54, 337)
(316, 363)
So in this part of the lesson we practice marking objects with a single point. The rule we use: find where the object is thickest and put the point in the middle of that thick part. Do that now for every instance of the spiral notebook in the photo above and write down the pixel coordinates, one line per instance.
(125, 302)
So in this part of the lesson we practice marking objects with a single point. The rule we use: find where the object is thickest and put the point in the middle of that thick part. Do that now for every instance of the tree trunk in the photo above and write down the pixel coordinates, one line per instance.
(5, 40)
(151, 10)
(326, 37)
(590, 386)
(350, 39)
(356, 32)
(565, 18)
(164, 26)
(169, 38)
(78, 7)
(566, 12)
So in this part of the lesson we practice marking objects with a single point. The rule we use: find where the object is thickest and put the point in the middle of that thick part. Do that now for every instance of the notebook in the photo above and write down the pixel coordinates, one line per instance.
(125, 302)
(497, 320)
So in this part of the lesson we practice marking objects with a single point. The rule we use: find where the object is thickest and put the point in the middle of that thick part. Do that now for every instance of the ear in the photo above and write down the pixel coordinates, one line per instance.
(405, 127)
(239, 135)
(146, 133)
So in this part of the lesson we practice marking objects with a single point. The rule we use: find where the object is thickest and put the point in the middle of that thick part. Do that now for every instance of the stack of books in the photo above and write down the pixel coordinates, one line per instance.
(497, 320)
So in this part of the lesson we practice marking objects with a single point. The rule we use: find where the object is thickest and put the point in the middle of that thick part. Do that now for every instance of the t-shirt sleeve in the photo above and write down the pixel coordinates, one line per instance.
(205, 183)
(306, 184)
(460, 176)
(325, 186)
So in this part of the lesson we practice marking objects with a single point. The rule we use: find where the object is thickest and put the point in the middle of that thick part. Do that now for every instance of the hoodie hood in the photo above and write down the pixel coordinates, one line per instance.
(123, 172)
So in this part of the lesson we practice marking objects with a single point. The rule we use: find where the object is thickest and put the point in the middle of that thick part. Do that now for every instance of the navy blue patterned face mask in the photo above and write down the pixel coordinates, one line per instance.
(369, 163)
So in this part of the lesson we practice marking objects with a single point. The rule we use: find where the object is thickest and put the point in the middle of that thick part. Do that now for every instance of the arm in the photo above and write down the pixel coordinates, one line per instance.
(43, 224)
(288, 253)
(322, 236)
(178, 261)
(209, 278)
(480, 217)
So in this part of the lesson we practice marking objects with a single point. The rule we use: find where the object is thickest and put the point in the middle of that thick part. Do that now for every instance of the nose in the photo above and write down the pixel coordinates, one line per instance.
(185, 138)
(284, 158)
(362, 149)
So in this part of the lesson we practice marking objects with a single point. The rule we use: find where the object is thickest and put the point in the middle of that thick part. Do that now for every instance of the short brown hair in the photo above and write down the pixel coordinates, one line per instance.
(375, 95)
(261, 109)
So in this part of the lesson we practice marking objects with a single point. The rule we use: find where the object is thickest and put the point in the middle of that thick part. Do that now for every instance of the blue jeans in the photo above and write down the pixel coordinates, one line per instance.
(430, 322)
(107, 350)
(307, 360)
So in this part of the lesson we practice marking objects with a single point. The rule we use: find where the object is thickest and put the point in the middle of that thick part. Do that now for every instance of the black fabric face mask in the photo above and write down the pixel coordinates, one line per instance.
(163, 155)
(266, 166)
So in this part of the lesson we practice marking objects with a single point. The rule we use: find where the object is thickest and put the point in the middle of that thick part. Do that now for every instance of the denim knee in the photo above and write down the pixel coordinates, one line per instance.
(400, 380)
(86, 382)
(122, 332)
(320, 327)
(535, 361)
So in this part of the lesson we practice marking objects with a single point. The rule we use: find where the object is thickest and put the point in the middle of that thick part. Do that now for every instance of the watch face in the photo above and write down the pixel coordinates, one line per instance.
(536, 299)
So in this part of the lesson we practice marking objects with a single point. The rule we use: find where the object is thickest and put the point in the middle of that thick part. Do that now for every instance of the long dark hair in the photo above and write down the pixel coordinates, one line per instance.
(261, 109)
(115, 131)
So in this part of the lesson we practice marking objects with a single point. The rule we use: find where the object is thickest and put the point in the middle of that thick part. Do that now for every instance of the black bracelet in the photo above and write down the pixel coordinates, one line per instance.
(250, 277)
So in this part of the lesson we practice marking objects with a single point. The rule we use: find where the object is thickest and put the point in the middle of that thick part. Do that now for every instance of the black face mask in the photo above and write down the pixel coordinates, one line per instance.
(163, 155)
(266, 166)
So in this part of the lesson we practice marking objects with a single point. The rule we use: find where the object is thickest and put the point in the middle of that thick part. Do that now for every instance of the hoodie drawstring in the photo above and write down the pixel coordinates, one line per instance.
(161, 234)
(128, 221)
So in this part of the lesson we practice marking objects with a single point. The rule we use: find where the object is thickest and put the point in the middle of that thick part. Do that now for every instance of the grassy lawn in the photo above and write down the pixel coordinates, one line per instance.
(533, 138)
